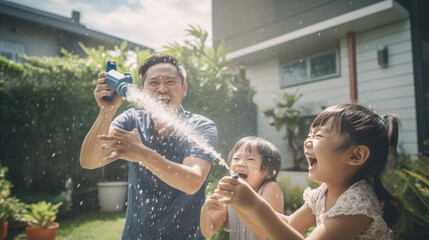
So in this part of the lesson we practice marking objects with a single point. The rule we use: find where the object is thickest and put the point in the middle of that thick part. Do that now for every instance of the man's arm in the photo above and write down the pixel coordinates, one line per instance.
(187, 177)
(91, 153)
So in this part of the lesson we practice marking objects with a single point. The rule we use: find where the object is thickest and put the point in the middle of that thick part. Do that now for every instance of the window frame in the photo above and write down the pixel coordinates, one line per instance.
(12, 48)
(307, 62)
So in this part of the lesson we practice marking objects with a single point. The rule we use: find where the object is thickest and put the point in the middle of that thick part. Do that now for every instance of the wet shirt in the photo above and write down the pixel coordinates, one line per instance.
(154, 209)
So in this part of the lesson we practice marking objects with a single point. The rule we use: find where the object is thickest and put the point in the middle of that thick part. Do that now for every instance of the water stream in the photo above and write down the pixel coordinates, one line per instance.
(168, 117)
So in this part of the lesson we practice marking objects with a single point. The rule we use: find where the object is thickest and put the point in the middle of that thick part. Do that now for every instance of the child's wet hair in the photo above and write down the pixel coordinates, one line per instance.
(362, 126)
(271, 157)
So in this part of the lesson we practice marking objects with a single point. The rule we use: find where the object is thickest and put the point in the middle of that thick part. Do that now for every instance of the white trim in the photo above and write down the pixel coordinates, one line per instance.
(348, 17)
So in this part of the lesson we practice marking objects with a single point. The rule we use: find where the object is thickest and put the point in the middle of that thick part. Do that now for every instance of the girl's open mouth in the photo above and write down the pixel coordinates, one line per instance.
(312, 162)
(242, 175)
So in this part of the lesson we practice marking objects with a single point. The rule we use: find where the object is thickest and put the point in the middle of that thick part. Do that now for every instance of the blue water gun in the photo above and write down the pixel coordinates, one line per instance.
(118, 81)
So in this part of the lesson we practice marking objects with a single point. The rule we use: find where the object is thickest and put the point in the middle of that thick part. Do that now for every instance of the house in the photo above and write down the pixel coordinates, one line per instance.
(25, 30)
(375, 52)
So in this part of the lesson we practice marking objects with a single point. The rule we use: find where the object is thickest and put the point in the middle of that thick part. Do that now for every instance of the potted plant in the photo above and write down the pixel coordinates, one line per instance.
(112, 195)
(4, 216)
(40, 218)
(5, 212)
(112, 189)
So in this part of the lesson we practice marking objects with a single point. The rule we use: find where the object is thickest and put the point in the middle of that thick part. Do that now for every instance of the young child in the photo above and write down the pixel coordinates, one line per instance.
(257, 162)
(346, 150)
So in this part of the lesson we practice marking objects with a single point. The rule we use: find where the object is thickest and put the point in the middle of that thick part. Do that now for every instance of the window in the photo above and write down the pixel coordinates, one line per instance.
(317, 67)
(11, 50)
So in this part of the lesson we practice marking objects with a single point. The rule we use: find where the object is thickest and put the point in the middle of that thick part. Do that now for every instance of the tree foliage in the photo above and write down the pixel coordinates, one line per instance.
(410, 183)
(289, 115)
(47, 107)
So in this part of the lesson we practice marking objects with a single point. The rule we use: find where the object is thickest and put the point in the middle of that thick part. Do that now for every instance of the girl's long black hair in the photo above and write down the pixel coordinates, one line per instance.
(379, 133)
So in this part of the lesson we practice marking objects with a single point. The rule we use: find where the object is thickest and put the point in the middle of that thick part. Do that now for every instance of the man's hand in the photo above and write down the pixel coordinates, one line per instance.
(122, 144)
(101, 90)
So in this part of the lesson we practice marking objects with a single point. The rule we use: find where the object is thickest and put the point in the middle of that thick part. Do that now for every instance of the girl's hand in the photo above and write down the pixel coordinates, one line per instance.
(236, 192)
(122, 144)
(213, 203)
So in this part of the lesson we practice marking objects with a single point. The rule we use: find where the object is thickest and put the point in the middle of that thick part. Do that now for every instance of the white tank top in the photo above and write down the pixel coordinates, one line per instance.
(236, 228)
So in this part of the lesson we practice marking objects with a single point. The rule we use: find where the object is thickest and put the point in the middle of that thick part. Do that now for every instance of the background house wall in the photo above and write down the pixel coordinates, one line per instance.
(388, 90)
(25, 30)
(36, 39)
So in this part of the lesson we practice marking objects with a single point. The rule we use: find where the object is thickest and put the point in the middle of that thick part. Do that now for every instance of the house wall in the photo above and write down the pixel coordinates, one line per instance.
(391, 89)
(388, 90)
(37, 40)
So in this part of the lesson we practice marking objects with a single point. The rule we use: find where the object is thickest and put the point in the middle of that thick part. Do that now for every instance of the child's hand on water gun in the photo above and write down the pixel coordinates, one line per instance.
(236, 192)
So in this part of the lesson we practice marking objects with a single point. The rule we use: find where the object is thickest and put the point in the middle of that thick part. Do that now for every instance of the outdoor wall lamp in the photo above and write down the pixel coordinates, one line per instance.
(382, 55)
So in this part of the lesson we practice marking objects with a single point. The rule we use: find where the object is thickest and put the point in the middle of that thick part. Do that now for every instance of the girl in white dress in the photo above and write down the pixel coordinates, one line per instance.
(346, 150)
(257, 162)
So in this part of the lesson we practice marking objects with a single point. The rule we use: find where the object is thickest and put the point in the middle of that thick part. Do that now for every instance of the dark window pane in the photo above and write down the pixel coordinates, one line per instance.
(294, 74)
(7, 55)
(323, 65)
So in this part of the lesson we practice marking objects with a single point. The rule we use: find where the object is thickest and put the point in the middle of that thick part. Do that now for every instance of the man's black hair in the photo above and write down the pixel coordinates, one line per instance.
(159, 58)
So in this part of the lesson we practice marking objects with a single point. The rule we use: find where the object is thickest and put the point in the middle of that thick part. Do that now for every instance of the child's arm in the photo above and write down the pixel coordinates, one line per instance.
(302, 219)
(213, 215)
(277, 226)
(241, 196)
(272, 194)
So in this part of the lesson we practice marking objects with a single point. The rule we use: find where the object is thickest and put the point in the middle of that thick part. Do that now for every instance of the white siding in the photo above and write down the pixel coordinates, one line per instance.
(389, 90)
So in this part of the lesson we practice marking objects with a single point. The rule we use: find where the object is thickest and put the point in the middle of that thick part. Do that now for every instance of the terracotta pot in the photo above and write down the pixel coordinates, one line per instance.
(3, 230)
(38, 233)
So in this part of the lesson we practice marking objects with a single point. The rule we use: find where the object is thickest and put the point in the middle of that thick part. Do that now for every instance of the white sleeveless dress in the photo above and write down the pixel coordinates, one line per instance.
(236, 228)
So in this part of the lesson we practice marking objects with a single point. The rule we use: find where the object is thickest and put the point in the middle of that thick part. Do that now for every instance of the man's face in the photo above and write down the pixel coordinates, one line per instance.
(164, 83)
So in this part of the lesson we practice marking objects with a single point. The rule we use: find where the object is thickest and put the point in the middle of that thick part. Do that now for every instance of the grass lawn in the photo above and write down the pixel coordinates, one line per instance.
(88, 226)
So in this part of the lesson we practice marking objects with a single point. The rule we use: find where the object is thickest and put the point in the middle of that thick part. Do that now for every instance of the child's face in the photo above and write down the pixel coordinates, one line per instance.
(248, 166)
(326, 161)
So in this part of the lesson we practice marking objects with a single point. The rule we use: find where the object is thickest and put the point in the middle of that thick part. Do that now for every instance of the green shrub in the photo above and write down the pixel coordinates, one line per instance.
(11, 209)
(5, 185)
(292, 194)
(411, 185)
(41, 214)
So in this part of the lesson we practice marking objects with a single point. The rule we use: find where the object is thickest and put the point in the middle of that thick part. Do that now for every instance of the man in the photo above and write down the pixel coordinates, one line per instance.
(167, 175)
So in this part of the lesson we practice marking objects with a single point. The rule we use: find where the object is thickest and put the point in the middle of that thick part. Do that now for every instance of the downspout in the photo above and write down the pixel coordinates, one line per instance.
(352, 66)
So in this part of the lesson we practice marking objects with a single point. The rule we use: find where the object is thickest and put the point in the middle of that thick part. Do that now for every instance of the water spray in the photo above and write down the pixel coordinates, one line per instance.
(122, 84)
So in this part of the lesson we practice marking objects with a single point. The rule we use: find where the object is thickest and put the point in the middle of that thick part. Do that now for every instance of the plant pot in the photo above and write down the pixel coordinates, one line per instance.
(3, 230)
(112, 196)
(38, 233)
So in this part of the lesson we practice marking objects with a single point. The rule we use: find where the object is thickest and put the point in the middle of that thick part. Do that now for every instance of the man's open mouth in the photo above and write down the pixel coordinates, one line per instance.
(165, 100)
